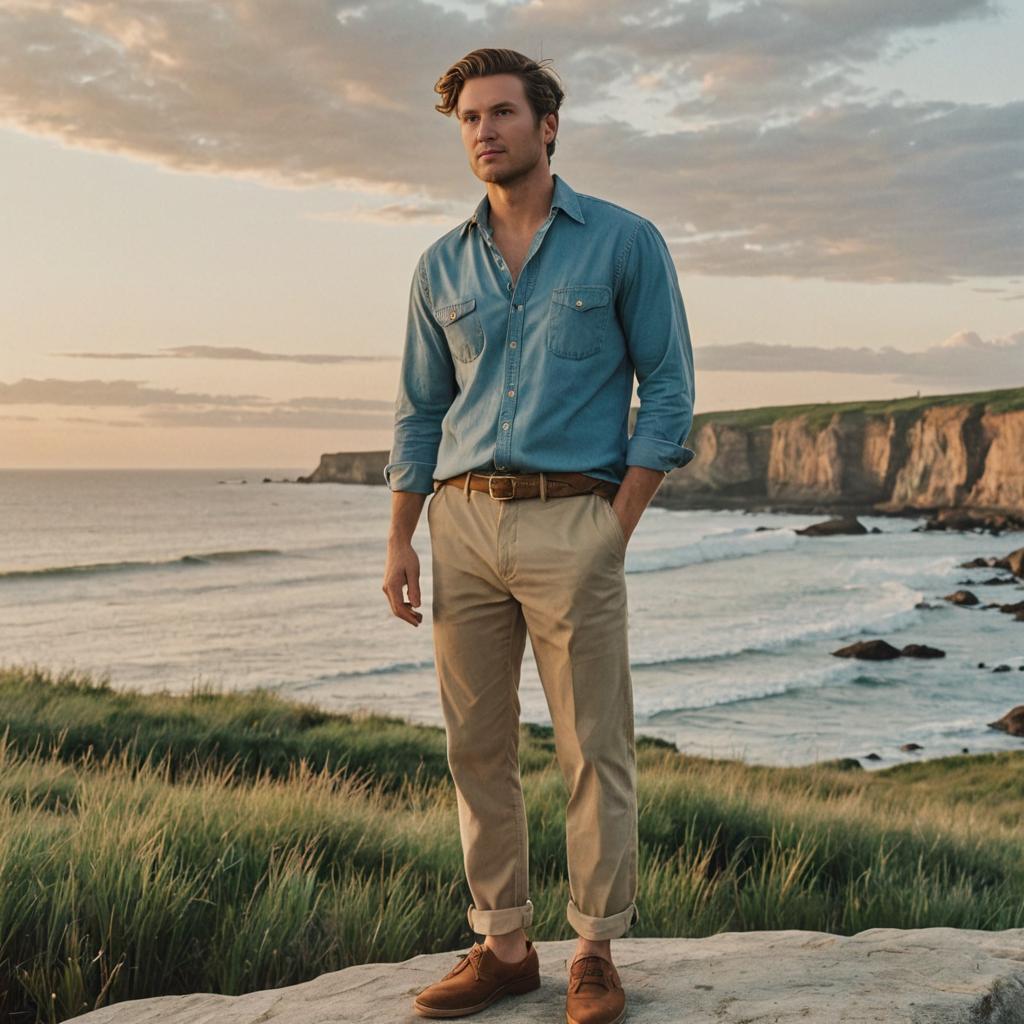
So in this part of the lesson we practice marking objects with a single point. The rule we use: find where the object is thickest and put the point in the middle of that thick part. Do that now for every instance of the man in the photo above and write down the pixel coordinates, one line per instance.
(526, 326)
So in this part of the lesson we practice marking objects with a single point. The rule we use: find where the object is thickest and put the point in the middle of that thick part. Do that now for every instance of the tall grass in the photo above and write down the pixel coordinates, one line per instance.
(225, 843)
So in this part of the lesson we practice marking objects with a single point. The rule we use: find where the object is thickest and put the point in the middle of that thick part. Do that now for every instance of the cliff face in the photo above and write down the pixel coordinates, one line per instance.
(1001, 481)
(923, 455)
(944, 456)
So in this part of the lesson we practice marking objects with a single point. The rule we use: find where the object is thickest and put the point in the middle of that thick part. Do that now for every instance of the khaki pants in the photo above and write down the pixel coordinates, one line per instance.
(553, 568)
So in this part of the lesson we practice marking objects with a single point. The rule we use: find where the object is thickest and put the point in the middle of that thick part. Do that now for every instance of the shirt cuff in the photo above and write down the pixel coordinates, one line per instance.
(657, 453)
(410, 476)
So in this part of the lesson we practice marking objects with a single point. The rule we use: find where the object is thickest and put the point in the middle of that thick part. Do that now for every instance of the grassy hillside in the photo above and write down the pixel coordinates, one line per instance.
(230, 842)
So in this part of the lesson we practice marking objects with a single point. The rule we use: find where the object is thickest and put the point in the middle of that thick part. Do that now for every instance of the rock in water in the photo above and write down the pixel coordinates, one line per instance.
(918, 976)
(1012, 722)
(922, 651)
(871, 650)
(1014, 561)
(830, 527)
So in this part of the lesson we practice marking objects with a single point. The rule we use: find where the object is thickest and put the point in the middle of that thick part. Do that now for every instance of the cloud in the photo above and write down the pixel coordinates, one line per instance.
(964, 360)
(124, 393)
(161, 407)
(425, 212)
(276, 418)
(231, 353)
(770, 155)
(280, 418)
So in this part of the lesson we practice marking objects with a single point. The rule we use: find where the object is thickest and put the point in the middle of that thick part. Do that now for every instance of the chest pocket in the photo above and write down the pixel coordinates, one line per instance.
(578, 320)
(462, 328)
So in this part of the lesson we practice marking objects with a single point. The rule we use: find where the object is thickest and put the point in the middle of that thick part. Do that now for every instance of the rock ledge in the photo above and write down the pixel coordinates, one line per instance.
(879, 976)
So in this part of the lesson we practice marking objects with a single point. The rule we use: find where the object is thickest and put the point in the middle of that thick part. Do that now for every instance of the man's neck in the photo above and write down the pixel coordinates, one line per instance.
(521, 206)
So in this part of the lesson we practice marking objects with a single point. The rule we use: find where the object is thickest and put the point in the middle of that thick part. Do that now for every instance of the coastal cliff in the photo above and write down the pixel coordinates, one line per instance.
(348, 468)
(953, 451)
(919, 454)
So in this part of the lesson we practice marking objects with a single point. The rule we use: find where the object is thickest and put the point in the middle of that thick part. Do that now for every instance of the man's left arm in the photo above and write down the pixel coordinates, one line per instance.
(653, 317)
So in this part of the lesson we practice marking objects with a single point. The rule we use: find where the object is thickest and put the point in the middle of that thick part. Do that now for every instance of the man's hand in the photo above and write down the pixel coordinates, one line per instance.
(638, 486)
(402, 566)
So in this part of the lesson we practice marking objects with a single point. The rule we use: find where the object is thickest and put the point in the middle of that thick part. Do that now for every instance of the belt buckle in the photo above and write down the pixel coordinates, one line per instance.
(505, 476)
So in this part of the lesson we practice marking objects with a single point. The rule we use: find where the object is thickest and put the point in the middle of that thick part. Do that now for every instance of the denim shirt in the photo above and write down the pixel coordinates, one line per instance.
(537, 374)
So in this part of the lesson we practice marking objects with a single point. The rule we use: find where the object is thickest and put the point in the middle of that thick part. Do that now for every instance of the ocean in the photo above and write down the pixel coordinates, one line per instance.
(159, 580)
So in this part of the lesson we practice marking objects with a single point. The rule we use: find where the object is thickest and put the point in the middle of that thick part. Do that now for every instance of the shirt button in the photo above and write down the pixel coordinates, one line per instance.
(511, 344)
(504, 426)
(579, 302)
(520, 308)
(511, 392)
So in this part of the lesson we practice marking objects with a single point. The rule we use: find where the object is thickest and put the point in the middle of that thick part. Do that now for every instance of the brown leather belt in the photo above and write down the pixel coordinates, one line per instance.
(509, 486)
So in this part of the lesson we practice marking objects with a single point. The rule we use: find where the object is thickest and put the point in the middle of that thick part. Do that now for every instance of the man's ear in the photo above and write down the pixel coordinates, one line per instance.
(554, 127)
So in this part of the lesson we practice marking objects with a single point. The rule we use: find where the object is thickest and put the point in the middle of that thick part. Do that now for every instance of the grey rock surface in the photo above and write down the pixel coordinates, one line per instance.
(879, 976)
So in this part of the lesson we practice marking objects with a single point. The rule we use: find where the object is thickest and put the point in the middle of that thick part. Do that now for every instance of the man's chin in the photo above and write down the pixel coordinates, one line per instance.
(499, 175)
(487, 173)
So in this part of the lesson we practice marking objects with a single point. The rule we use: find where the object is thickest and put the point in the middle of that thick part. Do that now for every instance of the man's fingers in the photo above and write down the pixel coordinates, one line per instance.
(400, 608)
(393, 590)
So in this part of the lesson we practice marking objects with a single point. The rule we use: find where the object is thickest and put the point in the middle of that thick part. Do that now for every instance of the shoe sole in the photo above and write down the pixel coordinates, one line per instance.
(517, 987)
(618, 1020)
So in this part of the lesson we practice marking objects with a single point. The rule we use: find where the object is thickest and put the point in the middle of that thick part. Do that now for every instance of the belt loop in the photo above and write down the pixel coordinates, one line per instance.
(543, 487)
(468, 476)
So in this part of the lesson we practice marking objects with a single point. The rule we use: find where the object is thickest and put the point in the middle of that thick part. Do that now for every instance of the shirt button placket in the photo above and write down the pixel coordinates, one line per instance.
(510, 392)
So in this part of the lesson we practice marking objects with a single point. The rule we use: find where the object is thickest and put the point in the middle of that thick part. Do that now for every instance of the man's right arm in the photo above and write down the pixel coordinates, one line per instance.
(426, 390)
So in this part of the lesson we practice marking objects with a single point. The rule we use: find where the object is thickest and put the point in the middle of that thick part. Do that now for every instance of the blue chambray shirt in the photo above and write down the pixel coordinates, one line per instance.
(537, 374)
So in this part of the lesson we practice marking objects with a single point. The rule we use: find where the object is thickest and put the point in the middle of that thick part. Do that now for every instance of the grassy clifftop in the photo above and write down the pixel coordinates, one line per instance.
(819, 413)
(154, 844)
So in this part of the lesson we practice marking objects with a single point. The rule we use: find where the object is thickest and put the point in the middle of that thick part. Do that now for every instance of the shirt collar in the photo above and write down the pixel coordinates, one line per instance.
(564, 199)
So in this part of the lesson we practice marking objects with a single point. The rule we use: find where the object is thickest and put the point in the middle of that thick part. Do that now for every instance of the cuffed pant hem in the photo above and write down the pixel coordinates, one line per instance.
(498, 922)
(613, 927)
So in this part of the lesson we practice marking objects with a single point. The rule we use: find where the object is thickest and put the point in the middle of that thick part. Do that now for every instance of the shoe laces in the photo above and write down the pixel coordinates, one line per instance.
(592, 971)
(473, 956)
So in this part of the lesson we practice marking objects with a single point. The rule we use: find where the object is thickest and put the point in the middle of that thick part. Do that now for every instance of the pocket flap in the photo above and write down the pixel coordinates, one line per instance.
(446, 315)
(583, 296)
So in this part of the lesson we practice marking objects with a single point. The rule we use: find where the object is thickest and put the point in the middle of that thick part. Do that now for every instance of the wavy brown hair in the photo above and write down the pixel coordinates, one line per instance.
(540, 82)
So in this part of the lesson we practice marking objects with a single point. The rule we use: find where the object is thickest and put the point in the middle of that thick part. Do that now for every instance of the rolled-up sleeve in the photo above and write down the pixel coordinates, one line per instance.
(426, 389)
(653, 318)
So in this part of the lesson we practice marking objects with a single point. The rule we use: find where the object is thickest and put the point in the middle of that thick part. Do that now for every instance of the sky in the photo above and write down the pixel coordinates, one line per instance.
(210, 212)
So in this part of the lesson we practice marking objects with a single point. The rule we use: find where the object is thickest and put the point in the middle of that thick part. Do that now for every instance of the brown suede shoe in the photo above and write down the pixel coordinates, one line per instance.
(595, 994)
(476, 981)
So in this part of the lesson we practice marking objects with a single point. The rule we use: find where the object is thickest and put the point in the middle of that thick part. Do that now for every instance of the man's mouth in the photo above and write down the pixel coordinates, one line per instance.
(491, 152)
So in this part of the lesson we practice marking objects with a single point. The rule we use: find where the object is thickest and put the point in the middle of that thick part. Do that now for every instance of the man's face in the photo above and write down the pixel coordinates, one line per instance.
(495, 117)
